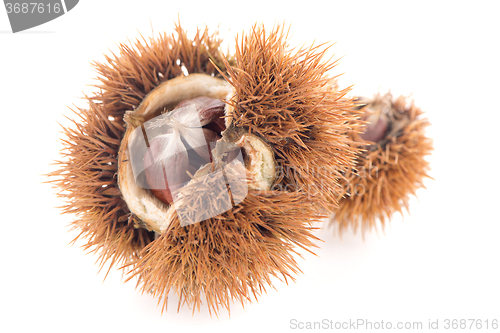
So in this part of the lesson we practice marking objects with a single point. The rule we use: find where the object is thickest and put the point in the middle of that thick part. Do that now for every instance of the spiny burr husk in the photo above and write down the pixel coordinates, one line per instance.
(283, 101)
(389, 170)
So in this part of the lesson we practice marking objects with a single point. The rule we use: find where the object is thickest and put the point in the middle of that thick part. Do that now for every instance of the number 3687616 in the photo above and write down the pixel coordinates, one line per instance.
(32, 7)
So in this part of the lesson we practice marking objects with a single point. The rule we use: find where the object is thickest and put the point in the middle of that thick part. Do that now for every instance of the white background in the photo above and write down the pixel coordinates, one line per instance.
(440, 262)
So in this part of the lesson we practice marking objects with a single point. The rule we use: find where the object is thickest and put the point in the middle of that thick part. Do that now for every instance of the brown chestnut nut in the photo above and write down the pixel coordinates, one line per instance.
(376, 129)
(166, 173)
